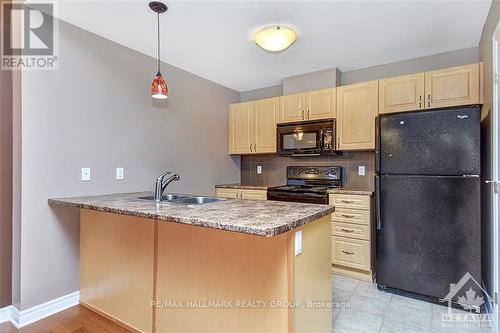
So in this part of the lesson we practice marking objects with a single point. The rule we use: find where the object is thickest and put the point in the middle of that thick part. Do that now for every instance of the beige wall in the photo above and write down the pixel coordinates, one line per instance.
(5, 187)
(251, 95)
(485, 55)
(274, 168)
(422, 64)
(96, 111)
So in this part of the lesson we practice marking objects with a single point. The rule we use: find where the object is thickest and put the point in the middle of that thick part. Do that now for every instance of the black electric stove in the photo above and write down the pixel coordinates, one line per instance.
(307, 184)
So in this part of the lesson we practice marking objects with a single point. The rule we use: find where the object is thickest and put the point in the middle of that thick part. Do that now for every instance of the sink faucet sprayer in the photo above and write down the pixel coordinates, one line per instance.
(162, 183)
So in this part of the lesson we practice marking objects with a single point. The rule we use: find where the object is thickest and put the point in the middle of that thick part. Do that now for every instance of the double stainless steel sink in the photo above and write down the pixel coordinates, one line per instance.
(183, 199)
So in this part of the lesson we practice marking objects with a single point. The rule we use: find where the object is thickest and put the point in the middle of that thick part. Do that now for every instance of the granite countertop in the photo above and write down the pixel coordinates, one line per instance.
(343, 190)
(244, 186)
(262, 218)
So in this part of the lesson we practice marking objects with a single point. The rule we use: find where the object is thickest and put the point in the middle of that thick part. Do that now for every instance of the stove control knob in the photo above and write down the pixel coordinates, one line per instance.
(326, 172)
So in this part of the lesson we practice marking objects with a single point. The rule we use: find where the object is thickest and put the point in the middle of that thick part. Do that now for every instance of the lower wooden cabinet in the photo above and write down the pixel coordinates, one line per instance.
(352, 235)
(246, 194)
(350, 252)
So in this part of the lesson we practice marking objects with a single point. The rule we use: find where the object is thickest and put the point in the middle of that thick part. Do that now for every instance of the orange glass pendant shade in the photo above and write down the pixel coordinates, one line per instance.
(159, 88)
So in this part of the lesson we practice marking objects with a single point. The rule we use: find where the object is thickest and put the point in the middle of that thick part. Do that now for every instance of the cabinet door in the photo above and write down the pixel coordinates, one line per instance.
(357, 107)
(254, 194)
(353, 253)
(452, 86)
(240, 128)
(227, 193)
(402, 93)
(265, 118)
(292, 108)
(321, 104)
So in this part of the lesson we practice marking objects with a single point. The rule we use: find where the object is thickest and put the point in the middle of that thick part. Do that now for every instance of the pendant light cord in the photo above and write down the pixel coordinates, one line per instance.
(158, 20)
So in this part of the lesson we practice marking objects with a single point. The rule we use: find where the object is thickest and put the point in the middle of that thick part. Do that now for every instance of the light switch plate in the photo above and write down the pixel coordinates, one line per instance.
(298, 242)
(259, 169)
(85, 174)
(120, 173)
(361, 170)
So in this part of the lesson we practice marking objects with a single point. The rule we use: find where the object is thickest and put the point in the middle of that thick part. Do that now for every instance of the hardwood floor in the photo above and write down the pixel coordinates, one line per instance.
(74, 320)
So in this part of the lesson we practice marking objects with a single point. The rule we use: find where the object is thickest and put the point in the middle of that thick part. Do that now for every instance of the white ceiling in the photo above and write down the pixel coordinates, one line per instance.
(212, 38)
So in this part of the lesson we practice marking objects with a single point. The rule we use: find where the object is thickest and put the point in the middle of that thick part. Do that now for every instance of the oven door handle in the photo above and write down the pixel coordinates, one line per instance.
(295, 194)
(305, 155)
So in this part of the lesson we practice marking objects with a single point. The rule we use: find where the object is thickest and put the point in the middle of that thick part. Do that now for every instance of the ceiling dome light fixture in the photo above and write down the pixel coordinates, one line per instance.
(159, 88)
(275, 38)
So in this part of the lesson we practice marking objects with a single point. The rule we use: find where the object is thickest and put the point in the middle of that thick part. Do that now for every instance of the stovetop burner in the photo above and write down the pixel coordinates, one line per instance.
(307, 184)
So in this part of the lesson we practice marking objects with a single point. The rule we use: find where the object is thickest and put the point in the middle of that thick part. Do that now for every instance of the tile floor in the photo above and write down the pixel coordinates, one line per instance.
(372, 310)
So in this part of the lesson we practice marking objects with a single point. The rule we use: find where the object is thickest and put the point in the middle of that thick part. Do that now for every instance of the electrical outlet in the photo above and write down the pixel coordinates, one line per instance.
(298, 242)
(259, 169)
(361, 170)
(85, 174)
(120, 173)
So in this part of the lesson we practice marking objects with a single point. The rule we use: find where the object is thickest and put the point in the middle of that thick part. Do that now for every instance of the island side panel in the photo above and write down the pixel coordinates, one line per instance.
(202, 264)
(117, 267)
(312, 278)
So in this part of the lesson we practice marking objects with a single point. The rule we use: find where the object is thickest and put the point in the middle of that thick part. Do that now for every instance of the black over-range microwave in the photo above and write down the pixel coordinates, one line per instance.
(311, 138)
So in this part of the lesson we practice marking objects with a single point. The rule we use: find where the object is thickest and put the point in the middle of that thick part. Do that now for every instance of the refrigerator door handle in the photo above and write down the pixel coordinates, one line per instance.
(377, 201)
(377, 144)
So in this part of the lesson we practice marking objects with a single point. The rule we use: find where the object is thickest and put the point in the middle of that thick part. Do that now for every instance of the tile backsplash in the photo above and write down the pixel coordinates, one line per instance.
(274, 168)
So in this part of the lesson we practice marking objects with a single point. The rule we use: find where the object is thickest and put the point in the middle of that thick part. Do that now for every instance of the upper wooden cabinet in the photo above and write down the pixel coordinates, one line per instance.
(357, 107)
(240, 128)
(292, 108)
(252, 126)
(452, 86)
(442, 88)
(402, 93)
(312, 105)
(321, 104)
(266, 116)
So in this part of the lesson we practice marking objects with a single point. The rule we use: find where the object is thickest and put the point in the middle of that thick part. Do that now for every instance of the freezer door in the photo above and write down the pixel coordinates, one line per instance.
(428, 235)
(439, 142)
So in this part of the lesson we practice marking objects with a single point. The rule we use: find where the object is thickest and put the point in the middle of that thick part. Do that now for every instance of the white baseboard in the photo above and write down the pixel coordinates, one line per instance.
(25, 317)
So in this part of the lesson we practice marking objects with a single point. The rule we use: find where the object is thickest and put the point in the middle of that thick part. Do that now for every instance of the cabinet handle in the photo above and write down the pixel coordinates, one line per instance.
(420, 101)
(347, 230)
(429, 100)
(302, 114)
(348, 252)
(250, 147)
(347, 201)
(255, 147)
(348, 216)
(308, 115)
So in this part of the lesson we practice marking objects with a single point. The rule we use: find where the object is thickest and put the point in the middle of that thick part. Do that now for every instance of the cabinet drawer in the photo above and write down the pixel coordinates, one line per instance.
(231, 193)
(253, 195)
(346, 215)
(227, 193)
(351, 252)
(350, 201)
(351, 230)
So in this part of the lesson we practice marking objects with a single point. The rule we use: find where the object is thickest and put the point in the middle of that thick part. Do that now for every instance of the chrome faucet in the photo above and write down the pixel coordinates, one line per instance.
(162, 183)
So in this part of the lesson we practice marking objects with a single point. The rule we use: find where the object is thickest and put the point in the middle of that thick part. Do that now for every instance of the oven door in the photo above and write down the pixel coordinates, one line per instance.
(299, 139)
(316, 198)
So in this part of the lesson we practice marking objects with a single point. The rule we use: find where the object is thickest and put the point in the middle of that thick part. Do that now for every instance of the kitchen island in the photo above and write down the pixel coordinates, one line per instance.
(225, 266)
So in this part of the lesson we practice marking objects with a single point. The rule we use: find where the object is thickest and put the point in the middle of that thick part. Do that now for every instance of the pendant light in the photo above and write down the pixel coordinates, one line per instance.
(159, 88)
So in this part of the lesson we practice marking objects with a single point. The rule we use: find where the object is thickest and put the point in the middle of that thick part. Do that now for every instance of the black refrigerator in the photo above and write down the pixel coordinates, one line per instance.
(428, 230)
